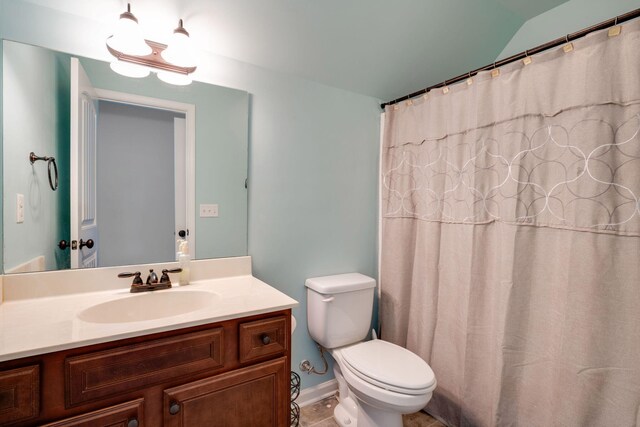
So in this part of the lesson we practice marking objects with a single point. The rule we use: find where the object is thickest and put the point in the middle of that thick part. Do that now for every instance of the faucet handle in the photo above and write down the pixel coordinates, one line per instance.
(165, 276)
(136, 277)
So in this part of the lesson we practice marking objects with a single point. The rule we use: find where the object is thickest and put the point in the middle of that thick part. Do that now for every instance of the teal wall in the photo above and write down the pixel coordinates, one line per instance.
(564, 19)
(313, 163)
(313, 181)
(36, 106)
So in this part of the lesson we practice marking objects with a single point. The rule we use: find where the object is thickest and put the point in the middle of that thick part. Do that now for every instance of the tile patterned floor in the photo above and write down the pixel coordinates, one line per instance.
(320, 414)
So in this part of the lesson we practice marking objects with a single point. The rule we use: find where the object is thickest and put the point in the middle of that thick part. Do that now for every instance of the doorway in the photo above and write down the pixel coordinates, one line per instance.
(140, 184)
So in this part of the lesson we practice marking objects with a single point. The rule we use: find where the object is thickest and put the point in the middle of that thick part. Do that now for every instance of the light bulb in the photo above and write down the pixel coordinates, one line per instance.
(128, 38)
(174, 78)
(128, 69)
(180, 50)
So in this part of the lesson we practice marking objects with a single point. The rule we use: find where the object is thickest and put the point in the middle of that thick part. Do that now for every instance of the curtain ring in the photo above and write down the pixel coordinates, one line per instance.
(469, 79)
(616, 21)
(567, 38)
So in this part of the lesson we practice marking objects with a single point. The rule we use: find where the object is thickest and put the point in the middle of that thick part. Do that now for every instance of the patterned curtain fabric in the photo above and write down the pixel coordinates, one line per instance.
(511, 238)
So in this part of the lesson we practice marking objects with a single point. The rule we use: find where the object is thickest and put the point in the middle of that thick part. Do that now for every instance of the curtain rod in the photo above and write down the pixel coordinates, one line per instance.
(553, 43)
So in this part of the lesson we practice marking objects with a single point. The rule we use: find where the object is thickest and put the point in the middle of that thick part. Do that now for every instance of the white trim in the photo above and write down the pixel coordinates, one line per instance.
(189, 111)
(382, 118)
(311, 395)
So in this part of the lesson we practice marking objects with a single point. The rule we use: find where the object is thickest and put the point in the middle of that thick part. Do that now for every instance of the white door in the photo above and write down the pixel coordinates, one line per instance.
(84, 118)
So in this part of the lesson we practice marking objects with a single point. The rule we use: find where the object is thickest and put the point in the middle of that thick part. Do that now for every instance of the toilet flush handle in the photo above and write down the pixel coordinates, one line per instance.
(328, 299)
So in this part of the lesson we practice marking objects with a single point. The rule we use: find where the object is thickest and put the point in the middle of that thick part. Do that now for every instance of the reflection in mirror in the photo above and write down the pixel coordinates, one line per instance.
(132, 191)
(130, 137)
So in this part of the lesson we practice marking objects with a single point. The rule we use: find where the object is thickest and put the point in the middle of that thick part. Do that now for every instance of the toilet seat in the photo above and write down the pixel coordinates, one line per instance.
(388, 366)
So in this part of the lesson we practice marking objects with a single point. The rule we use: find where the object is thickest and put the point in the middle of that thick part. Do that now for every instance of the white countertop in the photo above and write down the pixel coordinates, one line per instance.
(42, 325)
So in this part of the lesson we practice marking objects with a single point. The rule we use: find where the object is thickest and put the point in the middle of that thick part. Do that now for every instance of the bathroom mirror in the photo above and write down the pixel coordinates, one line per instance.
(145, 179)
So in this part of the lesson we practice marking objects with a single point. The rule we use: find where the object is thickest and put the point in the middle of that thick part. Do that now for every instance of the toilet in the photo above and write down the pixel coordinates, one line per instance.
(378, 381)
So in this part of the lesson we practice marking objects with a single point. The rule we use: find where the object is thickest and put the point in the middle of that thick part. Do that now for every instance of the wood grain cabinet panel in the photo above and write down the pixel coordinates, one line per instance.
(19, 394)
(262, 338)
(253, 396)
(129, 414)
(111, 372)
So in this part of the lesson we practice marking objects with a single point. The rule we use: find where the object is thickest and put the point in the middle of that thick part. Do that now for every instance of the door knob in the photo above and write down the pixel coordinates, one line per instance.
(88, 243)
(133, 422)
(265, 339)
(63, 244)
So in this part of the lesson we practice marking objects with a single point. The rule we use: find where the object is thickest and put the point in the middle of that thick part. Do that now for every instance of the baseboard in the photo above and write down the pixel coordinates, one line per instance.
(318, 392)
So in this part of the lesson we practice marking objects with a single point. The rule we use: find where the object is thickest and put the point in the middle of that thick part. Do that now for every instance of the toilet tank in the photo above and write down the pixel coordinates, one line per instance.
(339, 308)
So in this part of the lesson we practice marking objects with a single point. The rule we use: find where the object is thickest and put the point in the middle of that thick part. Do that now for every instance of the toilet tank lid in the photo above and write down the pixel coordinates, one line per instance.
(340, 283)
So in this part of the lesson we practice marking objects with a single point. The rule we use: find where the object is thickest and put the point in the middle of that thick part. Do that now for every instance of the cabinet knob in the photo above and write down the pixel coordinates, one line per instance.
(174, 408)
(265, 339)
(133, 422)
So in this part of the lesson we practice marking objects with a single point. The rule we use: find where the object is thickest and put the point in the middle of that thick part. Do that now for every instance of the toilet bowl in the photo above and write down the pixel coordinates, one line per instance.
(385, 379)
(378, 381)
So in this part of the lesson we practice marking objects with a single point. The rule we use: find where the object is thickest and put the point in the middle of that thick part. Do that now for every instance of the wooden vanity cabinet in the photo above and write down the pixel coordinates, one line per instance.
(231, 373)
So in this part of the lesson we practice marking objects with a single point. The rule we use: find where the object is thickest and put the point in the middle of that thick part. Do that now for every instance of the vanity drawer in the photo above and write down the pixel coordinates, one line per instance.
(262, 338)
(129, 414)
(19, 394)
(111, 372)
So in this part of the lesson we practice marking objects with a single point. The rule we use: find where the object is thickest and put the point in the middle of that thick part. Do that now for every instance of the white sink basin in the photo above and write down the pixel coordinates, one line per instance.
(148, 306)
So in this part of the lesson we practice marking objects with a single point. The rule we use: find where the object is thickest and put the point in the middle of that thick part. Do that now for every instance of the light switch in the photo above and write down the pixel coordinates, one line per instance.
(19, 208)
(208, 211)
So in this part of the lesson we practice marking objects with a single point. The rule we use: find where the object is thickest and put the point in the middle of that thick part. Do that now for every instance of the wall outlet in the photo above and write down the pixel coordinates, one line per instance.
(19, 208)
(208, 211)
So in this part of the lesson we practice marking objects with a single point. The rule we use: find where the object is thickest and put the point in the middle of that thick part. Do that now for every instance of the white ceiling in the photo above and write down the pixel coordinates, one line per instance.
(380, 48)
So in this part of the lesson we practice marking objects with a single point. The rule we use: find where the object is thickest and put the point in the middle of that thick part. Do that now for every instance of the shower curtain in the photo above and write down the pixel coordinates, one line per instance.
(510, 254)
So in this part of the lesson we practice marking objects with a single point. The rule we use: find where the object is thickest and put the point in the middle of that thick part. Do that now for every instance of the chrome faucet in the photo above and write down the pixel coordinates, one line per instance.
(152, 280)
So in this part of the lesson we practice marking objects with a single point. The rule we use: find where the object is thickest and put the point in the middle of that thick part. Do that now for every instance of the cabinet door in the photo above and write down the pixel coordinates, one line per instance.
(254, 396)
(129, 414)
(19, 394)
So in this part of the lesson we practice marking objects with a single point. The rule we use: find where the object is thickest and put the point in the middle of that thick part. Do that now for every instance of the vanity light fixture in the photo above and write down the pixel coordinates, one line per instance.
(137, 57)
